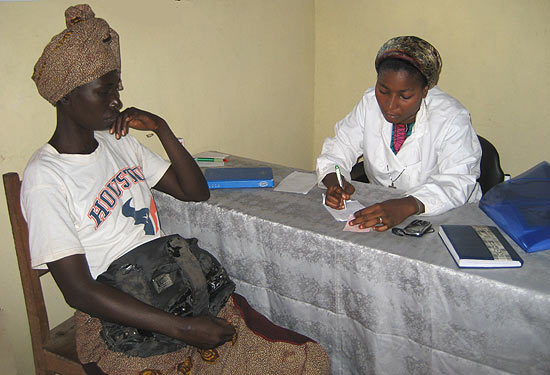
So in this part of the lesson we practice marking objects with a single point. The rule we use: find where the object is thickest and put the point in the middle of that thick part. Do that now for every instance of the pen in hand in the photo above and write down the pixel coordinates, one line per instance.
(339, 177)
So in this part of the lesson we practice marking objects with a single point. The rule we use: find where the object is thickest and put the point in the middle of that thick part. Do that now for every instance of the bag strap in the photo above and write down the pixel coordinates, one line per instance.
(179, 249)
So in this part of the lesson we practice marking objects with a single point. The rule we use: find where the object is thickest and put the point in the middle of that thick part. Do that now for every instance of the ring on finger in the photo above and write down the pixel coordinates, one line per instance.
(380, 220)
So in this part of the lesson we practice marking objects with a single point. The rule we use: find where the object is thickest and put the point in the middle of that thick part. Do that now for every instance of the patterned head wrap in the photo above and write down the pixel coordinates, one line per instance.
(416, 51)
(85, 51)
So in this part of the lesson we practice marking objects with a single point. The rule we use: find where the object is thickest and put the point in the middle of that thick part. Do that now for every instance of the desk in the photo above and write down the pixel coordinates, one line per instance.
(379, 303)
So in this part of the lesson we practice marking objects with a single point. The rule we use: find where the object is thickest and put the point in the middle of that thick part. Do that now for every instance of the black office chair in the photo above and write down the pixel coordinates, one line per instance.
(358, 172)
(491, 172)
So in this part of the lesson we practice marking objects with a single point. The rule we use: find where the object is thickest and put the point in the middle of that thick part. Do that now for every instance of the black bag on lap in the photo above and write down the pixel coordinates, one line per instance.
(172, 274)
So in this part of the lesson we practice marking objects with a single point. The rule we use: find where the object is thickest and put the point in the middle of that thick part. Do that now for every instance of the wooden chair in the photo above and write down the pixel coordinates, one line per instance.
(54, 350)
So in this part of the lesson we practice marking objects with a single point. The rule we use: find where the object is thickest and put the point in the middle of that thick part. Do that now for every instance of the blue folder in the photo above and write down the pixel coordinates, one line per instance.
(232, 178)
(521, 207)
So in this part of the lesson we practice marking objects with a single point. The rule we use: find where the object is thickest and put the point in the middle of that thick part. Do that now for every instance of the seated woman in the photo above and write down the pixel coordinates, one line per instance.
(412, 136)
(146, 303)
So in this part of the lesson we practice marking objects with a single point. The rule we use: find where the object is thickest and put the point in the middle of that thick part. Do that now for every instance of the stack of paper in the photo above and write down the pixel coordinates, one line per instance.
(210, 159)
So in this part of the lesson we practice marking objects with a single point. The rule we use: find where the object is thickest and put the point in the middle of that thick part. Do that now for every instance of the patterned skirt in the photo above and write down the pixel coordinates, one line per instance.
(259, 347)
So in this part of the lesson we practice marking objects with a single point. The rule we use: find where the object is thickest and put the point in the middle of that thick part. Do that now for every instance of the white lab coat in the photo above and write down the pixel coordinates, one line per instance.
(438, 163)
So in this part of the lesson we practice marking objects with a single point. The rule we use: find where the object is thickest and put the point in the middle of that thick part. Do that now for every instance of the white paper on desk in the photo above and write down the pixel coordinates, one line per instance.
(210, 154)
(343, 215)
(354, 228)
(297, 182)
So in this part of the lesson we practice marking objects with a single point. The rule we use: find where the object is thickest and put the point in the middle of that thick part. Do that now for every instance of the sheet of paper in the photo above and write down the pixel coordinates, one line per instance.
(297, 182)
(343, 215)
(209, 164)
(354, 228)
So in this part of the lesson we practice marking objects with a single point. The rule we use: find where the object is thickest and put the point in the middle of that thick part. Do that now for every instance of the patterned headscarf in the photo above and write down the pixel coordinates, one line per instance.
(85, 51)
(416, 51)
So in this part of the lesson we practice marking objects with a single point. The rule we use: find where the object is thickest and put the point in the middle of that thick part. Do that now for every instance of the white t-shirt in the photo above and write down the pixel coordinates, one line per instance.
(438, 163)
(98, 204)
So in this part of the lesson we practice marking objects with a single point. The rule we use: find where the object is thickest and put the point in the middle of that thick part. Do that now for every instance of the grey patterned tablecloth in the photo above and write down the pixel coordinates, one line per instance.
(379, 303)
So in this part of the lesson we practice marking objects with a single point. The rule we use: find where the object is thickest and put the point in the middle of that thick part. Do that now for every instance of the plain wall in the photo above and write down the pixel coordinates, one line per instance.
(228, 75)
(496, 62)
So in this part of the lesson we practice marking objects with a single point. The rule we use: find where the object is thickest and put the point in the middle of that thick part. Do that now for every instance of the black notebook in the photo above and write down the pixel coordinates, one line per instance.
(479, 246)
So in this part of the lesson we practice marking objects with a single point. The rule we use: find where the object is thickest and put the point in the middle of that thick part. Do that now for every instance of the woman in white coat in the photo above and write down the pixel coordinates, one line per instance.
(412, 136)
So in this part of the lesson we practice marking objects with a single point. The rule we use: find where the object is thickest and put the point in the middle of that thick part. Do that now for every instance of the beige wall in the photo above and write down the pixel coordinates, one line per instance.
(496, 61)
(229, 75)
(268, 79)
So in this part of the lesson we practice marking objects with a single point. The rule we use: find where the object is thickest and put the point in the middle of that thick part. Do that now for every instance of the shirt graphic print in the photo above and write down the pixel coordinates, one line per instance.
(112, 193)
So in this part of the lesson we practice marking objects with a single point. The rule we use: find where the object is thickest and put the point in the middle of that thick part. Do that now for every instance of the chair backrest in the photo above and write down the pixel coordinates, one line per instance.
(491, 171)
(358, 171)
(42, 345)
